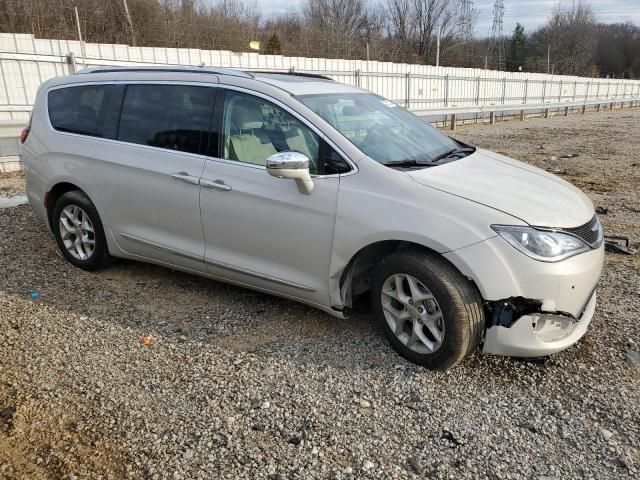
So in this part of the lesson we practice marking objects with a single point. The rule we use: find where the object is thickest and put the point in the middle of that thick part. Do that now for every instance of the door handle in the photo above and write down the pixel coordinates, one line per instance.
(185, 177)
(215, 184)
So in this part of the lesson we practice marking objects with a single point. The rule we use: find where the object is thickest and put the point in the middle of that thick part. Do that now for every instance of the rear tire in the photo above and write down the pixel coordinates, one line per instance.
(430, 313)
(78, 230)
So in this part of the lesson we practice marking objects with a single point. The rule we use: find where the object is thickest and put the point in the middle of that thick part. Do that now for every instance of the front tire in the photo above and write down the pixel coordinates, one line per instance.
(430, 313)
(79, 232)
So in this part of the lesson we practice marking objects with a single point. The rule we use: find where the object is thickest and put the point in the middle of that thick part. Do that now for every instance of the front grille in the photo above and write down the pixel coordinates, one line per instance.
(590, 232)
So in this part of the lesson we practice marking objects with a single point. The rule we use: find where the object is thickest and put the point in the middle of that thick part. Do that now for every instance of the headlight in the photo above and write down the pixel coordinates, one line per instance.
(542, 245)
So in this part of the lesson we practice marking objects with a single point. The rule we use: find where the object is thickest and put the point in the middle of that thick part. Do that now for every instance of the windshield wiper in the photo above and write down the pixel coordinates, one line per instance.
(430, 162)
(408, 162)
(456, 152)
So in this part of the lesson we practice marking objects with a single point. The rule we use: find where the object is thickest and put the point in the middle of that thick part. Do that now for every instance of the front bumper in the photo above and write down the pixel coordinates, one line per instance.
(564, 290)
(538, 334)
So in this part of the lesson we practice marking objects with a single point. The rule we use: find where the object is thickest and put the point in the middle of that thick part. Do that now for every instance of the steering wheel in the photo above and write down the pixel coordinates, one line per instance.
(378, 139)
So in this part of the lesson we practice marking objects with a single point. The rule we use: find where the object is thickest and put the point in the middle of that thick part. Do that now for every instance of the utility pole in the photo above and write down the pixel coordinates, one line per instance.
(496, 44)
(84, 56)
(548, 57)
(438, 47)
(126, 12)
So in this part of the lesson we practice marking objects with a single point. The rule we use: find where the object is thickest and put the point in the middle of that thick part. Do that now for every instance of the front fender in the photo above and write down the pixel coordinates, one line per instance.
(403, 210)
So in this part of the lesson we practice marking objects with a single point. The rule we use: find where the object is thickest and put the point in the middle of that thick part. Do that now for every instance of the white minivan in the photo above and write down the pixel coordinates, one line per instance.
(320, 192)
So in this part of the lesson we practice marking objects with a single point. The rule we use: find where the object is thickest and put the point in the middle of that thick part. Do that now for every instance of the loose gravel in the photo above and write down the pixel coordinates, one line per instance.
(143, 372)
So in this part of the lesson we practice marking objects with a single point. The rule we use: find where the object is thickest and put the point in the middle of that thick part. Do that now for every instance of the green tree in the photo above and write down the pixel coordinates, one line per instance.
(518, 47)
(273, 45)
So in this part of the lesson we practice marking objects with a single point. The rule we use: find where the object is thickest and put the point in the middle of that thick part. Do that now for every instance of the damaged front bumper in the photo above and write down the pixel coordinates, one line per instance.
(538, 334)
(533, 308)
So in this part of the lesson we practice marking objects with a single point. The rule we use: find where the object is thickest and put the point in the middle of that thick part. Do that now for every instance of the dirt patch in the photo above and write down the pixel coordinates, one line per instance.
(38, 440)
(11, 183)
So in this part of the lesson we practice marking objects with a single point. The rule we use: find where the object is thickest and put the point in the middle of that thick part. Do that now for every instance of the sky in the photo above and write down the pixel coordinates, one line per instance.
(531, 13)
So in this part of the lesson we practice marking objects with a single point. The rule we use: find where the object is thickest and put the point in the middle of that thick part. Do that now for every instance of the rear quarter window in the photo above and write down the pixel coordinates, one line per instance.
(79, 109)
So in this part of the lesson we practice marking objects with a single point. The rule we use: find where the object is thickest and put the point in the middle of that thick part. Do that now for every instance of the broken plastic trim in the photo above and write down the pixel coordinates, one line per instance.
(505, 312)
(346, 282)
(618, 244)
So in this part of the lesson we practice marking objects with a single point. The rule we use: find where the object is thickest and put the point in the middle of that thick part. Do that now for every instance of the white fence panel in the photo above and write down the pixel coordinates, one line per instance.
(25, 62)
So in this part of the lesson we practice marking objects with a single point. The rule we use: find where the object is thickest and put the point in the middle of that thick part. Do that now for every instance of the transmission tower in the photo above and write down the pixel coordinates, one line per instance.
(466, 25)
(496, 45)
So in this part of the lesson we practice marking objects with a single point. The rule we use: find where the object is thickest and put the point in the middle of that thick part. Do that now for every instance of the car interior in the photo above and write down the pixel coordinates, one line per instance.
(255, 129)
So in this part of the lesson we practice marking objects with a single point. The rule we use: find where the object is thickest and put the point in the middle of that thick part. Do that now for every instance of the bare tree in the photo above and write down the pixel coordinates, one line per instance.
(394, 30)
(290, 31)
(431, 16)
(336, 25)
(414, 27)
(374, 30)
(619, 50)
(402, 27)
(571, 35)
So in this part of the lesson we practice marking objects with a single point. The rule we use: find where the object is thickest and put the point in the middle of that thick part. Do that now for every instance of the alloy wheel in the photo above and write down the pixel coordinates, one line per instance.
(412, 313)
(77, 232)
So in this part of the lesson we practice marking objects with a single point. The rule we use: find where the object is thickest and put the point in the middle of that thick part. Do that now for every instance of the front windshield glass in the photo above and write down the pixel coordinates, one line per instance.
(380, 128)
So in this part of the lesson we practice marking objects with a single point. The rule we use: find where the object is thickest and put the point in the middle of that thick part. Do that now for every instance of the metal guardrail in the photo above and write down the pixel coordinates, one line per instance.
(452, 112)
(11, 128)
(520, 107)
(514, 106)
(10, 164)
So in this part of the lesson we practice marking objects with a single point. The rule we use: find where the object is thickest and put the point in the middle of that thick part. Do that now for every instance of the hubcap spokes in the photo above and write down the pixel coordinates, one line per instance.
(412, 312)
(77, 233)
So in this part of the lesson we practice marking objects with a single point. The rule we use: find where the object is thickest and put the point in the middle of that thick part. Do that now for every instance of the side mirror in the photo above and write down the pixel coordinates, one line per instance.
(292, 165)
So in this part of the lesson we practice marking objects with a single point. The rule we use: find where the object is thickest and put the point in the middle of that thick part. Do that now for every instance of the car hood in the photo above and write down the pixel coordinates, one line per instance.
(523, 191)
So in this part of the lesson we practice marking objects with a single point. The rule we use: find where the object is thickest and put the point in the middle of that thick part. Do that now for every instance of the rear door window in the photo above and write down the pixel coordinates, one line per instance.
(80, 109)
(174, 117)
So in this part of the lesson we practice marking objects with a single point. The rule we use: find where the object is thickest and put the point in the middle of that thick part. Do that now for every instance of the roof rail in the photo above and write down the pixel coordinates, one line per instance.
(168, 68)
(293, 72)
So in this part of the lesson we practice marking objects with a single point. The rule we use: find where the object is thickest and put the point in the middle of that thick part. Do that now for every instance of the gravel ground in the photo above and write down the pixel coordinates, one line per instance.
(236, 384)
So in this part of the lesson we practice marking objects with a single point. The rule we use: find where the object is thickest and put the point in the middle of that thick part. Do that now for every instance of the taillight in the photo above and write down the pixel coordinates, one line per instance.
(24, 134)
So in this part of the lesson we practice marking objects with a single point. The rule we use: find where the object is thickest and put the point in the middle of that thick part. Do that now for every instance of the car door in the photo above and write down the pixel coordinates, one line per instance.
(149, 176)
(260, 230)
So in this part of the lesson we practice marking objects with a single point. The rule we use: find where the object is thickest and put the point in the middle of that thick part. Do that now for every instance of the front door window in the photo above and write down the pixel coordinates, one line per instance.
(254, 129)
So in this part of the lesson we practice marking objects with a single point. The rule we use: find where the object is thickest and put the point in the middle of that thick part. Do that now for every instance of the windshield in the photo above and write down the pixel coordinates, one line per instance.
(379, 128)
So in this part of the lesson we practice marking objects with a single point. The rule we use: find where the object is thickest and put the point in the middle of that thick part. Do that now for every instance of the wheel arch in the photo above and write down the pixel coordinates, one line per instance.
(52, 196)
(99, 256)
(63, 185)
(355, 277)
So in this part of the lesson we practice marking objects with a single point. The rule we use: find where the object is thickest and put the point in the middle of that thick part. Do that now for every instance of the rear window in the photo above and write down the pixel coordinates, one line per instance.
(80, 109)
(174, 117)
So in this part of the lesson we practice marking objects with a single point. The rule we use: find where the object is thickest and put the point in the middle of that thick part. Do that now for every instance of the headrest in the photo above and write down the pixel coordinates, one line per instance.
(247, 114)
(353, 110)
